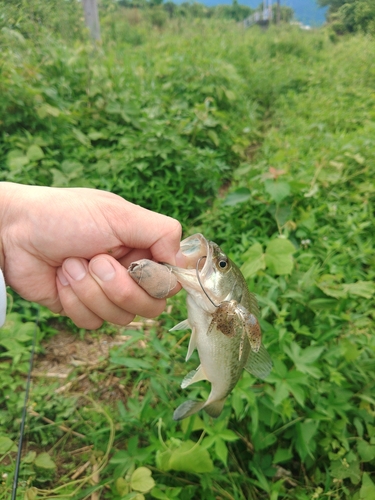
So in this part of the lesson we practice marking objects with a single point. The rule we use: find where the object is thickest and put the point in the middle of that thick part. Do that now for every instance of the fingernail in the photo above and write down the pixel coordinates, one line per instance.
(61, 277)
(103, 269)
(75, 268)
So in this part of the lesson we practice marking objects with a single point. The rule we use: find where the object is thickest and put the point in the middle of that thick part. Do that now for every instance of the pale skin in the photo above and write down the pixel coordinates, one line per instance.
(69, 248)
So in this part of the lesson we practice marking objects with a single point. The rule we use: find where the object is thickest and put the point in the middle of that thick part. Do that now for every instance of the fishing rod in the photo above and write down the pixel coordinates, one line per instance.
(24, 410)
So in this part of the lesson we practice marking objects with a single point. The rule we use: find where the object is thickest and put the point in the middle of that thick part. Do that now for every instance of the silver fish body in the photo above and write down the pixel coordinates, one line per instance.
(224, 346)
(222, 315)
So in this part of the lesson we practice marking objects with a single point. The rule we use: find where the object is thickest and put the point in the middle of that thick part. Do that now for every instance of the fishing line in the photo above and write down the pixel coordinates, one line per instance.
(199, 280)
(24, 410)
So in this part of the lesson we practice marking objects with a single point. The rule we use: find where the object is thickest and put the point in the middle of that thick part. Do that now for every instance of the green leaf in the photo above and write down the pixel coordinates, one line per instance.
(72, 168)
(59, 179)
(44, 461)
(279, 256)
(187, 457)
(278, 190)
(132, 363)
(162, 459)
(122, 486)
(141, 480)
(193, 423)
(303, 358)
(81, 137)
(190, 457)
(305, 443)
(47, 109)
(239, 196)
(17, 162)
(6, 444)
(29, 458)
(159, 494)
(31, 494)
(282, 455)
(35, 153)
(365, 289)
(281, 393)
(214, 137)
(221, 450)
(329, 284)
(366, 451)
(341, 469)
(228, 435)
(254, 260)
(367, 490)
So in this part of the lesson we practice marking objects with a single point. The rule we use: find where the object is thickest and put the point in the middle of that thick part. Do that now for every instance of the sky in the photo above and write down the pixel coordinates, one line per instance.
(306, 11)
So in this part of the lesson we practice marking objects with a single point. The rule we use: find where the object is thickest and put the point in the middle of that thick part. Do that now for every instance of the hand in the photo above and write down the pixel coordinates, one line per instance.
(68, 249)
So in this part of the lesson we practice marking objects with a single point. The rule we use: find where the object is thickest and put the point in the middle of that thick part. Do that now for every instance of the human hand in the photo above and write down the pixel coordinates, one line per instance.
(68, 249)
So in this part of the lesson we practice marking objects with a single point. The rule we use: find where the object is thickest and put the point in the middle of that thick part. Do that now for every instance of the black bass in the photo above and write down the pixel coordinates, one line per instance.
(222, 315)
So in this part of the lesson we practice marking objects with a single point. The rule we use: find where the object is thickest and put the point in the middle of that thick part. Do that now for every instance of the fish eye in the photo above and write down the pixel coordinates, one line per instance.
(223, 264)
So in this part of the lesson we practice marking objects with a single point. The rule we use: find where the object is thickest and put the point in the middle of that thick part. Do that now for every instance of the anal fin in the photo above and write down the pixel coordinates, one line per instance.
(194, 376)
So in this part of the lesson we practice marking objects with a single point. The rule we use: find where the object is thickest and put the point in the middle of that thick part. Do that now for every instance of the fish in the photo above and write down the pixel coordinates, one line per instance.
(223, 318)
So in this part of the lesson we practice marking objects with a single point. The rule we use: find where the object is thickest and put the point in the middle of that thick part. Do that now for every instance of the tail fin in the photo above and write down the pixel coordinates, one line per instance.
(190, 407)
(214, 409)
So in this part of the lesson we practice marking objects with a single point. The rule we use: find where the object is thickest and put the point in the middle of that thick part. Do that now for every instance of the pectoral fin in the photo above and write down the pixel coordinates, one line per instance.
(194, 376)
(259, 363)
(184, 325)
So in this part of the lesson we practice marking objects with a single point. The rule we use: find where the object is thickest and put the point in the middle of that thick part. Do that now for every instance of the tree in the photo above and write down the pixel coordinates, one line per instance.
(349, 16)
(90, 9)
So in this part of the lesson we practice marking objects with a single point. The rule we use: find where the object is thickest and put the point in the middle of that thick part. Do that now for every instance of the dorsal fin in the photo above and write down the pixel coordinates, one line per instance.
(259, 363)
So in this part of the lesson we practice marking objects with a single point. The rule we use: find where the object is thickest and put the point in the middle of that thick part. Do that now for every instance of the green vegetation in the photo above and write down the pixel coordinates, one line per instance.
(350, 16)
(265, 143)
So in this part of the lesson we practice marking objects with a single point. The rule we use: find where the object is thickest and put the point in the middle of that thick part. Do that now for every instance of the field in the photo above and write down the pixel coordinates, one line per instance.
(264, 141)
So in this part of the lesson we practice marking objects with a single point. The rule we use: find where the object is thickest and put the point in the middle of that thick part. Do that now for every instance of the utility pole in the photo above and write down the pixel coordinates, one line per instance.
(90, 10)
(278, 12)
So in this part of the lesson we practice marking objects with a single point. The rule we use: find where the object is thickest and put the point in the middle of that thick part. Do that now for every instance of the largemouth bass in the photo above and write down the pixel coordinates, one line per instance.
(222, 315)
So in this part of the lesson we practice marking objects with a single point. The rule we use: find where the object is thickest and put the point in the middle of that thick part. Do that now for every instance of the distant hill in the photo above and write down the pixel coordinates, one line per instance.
(306, 11)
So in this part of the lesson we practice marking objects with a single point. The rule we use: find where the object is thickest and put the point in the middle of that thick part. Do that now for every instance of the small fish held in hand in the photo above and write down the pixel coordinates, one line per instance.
(222, 315)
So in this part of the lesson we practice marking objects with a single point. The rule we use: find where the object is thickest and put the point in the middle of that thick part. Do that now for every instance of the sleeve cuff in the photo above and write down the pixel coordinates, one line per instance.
(3, 299)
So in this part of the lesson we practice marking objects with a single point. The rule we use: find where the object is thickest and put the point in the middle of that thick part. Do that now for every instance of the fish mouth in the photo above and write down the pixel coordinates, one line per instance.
(195, 248)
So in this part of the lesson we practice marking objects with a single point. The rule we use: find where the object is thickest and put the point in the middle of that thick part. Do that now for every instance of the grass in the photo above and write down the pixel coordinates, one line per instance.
(262, 141)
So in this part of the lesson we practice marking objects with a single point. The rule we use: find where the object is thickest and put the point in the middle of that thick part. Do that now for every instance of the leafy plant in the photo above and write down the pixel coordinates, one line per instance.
(262, 141)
